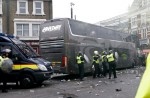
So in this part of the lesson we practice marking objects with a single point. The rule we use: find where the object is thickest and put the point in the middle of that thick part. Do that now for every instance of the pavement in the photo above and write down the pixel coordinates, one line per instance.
(125, 86)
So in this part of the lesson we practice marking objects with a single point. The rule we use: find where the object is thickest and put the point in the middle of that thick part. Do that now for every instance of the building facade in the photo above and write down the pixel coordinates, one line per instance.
(136, 22)
(139, 21)
(119, 22)
(22, 18)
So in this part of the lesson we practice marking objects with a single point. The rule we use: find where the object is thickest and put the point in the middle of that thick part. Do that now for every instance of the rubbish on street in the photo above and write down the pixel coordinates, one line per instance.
(118, 89)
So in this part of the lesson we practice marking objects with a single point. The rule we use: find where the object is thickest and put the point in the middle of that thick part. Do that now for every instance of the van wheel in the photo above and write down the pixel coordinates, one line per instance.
(26, 81)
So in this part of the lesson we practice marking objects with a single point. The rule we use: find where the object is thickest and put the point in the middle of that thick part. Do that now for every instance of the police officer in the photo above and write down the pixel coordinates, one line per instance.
(112, 64)
(104, 63)
(3, 74)
(80, 61)
(144, 86)
(95, 63)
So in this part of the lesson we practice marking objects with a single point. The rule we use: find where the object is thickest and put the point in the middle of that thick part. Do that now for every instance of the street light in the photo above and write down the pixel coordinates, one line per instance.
(72, 4)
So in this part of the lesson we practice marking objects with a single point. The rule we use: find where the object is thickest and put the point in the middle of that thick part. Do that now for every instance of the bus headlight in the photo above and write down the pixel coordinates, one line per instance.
(42, 67)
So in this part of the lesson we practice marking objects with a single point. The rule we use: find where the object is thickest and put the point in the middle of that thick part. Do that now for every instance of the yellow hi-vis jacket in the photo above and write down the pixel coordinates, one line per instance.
(79, 61)
(96, 61)
(1, 61)
(110, 57)
(144, 87)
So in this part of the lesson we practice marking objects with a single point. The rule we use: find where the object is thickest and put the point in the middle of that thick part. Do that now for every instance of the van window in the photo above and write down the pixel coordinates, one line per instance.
(2, 47)
(12, 55)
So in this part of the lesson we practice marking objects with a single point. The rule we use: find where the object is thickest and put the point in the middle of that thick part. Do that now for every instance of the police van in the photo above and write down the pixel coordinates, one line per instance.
(29, 67)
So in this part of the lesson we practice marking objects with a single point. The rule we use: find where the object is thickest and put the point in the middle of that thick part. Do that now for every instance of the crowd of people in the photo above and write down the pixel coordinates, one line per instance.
(107, 61)
(101, 64)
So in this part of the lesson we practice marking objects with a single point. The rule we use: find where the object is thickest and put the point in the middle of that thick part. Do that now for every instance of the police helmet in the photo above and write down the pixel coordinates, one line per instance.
(104, 53)
(80, 53)
(110, 51)
(6, 51)
(96, 52)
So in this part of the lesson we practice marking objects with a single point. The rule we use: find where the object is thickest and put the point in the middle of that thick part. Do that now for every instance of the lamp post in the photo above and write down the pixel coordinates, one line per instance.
(7, 16)
(72, 4)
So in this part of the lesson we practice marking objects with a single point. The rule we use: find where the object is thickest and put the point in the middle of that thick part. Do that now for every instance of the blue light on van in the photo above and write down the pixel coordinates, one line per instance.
(10, 36)
(7, 35)
(2, 34)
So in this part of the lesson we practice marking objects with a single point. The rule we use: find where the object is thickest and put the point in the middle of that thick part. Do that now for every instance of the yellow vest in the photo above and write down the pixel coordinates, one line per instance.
(144, 87)
(96, 61)
(1, 61)
(110, 57)
(79, 61)
(103, 56)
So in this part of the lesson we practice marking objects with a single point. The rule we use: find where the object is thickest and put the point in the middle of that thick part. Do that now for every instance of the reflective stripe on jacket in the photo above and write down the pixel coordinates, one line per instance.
(104, 58)
(110, 57)
(79, 61)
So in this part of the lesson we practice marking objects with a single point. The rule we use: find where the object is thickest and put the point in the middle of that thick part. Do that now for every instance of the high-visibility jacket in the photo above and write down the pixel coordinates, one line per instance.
(144, 87)
(1, 61)
(97, 60)
(104, 58)
(110, 57)
(79, 60)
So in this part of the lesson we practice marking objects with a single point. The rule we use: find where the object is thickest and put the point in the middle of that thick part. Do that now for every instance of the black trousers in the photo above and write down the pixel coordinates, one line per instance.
(81, 71)
(104, 64)
(96, 71)
(112, 68)
(3, 78)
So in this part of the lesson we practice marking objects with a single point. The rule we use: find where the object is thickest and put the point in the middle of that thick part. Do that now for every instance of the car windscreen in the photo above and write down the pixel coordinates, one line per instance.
(26, 49)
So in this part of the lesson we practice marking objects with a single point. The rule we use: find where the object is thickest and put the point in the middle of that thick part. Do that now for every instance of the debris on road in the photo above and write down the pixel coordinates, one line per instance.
(68, 80)
(78, 90)
(89, 92)
(58, 93)
(63, 80)
(118, 89)
(97, 94)
(32, 91)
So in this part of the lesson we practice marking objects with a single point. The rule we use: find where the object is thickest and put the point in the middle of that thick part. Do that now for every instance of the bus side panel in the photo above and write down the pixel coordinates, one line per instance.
(88, 54)
(125, 53)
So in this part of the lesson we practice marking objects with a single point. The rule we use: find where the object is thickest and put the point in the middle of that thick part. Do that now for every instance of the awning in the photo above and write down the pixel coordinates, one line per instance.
(146, 50)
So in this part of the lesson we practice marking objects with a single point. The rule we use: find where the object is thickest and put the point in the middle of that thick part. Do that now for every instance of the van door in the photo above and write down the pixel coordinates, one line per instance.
(13, 54)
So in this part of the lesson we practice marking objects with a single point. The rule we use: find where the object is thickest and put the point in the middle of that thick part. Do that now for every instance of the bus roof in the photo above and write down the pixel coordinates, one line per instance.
(102, 31)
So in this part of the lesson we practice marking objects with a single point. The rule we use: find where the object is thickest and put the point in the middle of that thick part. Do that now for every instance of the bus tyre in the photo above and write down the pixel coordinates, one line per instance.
(26, 81)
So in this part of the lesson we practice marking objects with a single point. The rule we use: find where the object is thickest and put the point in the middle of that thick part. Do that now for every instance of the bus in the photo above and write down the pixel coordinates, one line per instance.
(61, 39)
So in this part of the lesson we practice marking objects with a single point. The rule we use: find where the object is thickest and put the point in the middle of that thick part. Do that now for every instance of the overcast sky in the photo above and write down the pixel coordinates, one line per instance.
(90, 11)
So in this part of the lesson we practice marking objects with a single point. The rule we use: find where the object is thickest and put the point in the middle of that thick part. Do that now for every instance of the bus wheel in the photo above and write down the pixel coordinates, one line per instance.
(26, 81)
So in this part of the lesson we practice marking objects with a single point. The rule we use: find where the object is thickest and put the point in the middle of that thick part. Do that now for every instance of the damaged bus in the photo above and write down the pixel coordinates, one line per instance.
(61, 40)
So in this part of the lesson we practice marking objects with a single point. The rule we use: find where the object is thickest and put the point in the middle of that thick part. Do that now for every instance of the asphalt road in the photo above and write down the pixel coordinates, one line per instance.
(125, 86)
